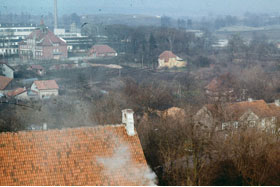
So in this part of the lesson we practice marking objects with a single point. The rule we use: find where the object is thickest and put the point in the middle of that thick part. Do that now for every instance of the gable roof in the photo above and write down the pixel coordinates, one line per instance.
(166, 55)
(102, 155)
(4, 82)
(7, 66)
(36, 66)
(101, 49)
(221, 82)
(234, 111)
(275, 109)
(46, 84)
(16, 92)
(45, 37)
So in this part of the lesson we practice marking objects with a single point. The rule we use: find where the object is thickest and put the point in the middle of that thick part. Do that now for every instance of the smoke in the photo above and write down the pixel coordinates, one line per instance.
(121, 163)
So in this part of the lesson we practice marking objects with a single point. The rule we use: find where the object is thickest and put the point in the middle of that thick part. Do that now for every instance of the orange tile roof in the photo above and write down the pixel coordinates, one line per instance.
(275, 109)
(101, 49)
(16, 92)
(46, 84)
(236, 110)
(166, 55)
(103, 155)
(4, 81)
(222, 82)
(35, 66)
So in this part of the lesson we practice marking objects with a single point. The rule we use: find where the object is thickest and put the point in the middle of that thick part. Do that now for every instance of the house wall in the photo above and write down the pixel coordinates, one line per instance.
(22, 96)
(204, 118)
(49, 52)
(103, 54)
(44, 93)
(173, 62)
(7, 71)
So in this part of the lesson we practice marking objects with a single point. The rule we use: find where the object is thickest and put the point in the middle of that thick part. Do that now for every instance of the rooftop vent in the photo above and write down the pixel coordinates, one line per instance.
(128, 120)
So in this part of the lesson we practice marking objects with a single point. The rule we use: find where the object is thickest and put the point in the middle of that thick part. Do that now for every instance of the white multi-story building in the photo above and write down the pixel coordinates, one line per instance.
(11, 35)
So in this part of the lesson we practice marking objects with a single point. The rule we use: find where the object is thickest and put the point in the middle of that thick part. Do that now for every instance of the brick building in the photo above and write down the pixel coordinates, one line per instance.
(43, 44)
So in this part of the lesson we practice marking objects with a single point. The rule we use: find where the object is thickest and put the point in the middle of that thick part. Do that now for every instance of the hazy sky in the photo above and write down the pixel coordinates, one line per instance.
(152, 7)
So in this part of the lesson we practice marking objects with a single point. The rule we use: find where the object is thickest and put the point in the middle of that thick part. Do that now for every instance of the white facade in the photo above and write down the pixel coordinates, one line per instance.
(7, 71)
(44, 93)
(22, 96)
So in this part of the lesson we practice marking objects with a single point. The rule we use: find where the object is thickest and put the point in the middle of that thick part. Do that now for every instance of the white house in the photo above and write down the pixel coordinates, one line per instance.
(45, 88)
(7, 70)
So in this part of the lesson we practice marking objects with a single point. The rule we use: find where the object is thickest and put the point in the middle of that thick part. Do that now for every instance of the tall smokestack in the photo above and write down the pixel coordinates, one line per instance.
(55, 14)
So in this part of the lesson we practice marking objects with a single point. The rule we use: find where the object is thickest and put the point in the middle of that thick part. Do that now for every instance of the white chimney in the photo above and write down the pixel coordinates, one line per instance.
(277, 102)
(45, 126)
(250, 99)
(128, 120)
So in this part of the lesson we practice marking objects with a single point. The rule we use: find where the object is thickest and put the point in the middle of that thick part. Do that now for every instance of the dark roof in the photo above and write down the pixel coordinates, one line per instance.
(7, 65)
(102, 155)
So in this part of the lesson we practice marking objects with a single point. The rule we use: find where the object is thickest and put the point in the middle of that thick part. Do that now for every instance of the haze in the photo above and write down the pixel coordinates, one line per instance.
(174, 8)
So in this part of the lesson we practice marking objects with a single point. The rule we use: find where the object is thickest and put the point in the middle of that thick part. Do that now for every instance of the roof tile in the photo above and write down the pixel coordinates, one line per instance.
(81, 156)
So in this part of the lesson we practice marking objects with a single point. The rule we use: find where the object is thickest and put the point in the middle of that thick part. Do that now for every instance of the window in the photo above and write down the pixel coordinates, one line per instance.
(252, 123)
(224, 126)
(235, 124)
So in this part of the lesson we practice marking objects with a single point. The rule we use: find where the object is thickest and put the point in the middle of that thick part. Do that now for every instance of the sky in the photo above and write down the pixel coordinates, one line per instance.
(176, 8)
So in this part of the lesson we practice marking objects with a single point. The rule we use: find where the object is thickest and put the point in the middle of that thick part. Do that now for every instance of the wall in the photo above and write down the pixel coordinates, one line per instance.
(173, 62)
(43, 93)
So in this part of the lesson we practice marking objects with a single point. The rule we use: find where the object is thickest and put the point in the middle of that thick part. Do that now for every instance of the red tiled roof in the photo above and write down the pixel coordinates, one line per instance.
(166, 55)
(222, 82)
(101, 49)
(236, 110)
(103, 155)
(39, 67)
(275, 109)
(16, 92)
(45, 37)
(4, 81)
(46, 84)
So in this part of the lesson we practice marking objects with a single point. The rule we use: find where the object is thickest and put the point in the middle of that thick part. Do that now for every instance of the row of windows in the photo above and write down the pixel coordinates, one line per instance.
(16, 30)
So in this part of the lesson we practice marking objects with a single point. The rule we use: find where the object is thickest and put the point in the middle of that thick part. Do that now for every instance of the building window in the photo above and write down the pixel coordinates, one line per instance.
(235, 124)
(252, 123)
(224, 126)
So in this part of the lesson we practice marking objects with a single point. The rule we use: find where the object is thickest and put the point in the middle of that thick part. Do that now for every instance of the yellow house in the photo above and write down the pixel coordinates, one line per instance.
(169, 60)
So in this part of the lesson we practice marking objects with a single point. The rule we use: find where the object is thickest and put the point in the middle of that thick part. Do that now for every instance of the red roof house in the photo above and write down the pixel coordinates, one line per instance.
(19, 93)
(169, 59)
(166, 55)
(102, 51)
(38, 69)
(89, 156)
(43, 44)
(45, 88)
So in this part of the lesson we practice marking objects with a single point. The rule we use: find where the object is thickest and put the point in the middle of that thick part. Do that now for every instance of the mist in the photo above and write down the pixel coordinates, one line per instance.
(176, 8)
